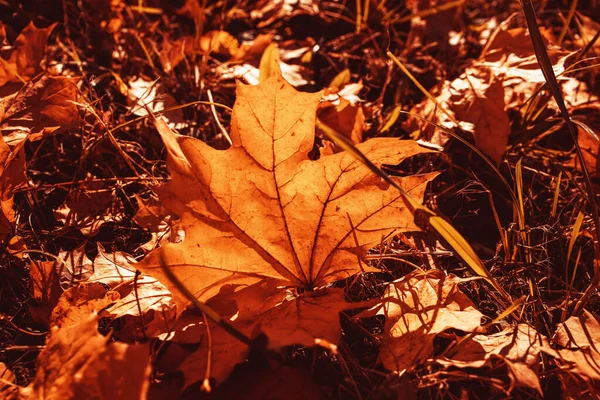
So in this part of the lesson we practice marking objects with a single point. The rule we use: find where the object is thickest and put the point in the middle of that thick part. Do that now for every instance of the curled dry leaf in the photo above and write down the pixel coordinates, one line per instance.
(262, 210)
(25, 55)
(517, 347)
(108, 283)
(79, 363)
(417, 308)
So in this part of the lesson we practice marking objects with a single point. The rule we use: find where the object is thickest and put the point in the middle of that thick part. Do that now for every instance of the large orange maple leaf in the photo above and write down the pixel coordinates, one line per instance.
(263, 210)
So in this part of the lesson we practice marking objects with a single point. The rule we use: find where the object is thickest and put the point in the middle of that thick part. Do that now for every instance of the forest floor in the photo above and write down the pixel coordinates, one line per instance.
(82, 82)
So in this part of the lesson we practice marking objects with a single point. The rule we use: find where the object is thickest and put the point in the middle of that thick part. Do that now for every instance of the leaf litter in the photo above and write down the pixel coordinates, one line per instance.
(282, 236)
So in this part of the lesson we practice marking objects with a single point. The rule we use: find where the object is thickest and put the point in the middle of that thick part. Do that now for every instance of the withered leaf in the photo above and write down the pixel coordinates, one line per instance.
(79, 363)
(417, 308)
(263, 210)
(12, 174)
(518, 347)
(42, 106)
(26, 54)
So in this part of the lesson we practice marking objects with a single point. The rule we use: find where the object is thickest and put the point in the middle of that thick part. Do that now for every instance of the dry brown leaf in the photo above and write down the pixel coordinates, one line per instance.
(26, 54)
(263, 210)
(12, 174)
(43, 106)
(590, 150)
(505, 77)
(267, 12)
(417, 308)
(79, 363)
(219, 42)
(344, 117)
(46, 290)
(578, 339)
(518, 347)
(79, 302)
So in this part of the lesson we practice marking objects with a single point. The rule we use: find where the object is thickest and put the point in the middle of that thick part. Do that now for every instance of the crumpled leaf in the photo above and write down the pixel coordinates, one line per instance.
(578, 352)
(79, 363)
(517, 347)
(108, 282)
(26, 54)
(78, 302)
(263, 210)
(417, 308)
(343, 116)
(505, 77)
(267, 12)
(41, 107)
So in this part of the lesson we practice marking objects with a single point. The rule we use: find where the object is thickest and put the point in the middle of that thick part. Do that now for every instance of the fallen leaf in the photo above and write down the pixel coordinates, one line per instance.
(517, 347)
(25, 55)
(154, 217)
(417, 308)
(267, 12)
(578, 352)
(344, 117)
(79, 363)
(79, 302)
(41, 107)
(12, 175)
(263, 210)
(590, 150)
(219, 42)
(504, 77)
(46, 290)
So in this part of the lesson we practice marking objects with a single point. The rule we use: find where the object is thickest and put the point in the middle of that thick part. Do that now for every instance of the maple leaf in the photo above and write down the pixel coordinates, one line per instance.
(262, 210)
(417, 308)
(79, 363)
